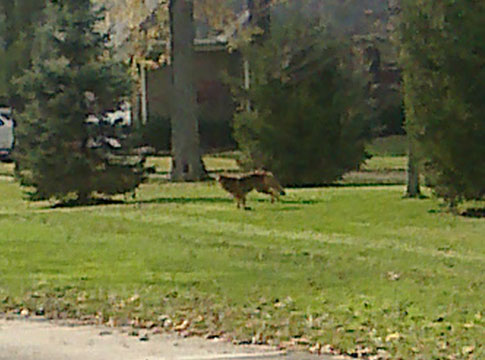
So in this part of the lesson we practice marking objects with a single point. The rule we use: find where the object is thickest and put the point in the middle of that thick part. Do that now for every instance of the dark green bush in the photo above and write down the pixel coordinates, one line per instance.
(309, 120)
(155, 133)
(216, 136)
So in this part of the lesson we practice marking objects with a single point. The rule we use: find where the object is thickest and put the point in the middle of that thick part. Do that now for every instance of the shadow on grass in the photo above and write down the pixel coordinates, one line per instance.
(344, 185)
(474, 213)
(477, 213)
(210, 172)
(214, 200)
(178, 200)
(418, 197)
(91, 202)
(221, 200)
(182, 200)
(291, 202)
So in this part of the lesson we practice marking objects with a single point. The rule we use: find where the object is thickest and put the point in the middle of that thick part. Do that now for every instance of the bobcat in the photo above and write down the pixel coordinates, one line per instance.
(240, 185)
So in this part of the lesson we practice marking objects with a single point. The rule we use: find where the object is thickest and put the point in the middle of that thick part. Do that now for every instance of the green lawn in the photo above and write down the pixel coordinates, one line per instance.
(394, 145)
(380, 170)
(386, 163)
(6, 169)
(212, 163)
(351, 267)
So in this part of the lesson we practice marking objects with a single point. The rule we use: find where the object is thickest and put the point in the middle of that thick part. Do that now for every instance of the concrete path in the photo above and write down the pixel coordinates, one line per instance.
(42, 340)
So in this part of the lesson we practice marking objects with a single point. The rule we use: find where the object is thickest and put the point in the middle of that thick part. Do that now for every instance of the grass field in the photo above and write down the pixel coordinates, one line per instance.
(395, 145)
(6, 169)
(214, 164)
(379, 170)
(361, 269)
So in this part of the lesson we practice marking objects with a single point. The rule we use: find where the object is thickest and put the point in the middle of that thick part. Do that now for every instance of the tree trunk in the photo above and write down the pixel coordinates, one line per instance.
(186, 162)
(413, 189)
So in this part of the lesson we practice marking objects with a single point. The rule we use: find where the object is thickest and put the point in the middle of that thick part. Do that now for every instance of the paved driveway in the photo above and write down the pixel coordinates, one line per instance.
(43, 340)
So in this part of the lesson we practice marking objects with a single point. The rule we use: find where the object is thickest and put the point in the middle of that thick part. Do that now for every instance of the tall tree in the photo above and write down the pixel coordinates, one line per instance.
(443, 55)
(18, 19)
(186, 162)
(413, 188)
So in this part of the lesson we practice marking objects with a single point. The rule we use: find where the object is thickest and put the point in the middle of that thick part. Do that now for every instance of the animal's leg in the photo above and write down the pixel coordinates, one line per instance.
(274, 196)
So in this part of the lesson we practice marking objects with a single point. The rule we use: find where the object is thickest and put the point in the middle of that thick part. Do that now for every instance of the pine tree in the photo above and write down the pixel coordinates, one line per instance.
(59, 152)
(308, 121)
(443, 56)
(18, 19)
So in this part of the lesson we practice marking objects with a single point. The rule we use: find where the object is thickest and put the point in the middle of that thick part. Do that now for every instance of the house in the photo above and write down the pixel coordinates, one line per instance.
(216, 104)
(214, 62)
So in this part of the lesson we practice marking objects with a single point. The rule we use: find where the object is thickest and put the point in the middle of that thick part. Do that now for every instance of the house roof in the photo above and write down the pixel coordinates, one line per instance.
(207, 38)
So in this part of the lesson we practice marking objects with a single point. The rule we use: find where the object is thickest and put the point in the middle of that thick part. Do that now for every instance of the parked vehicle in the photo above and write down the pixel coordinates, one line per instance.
(7, 125)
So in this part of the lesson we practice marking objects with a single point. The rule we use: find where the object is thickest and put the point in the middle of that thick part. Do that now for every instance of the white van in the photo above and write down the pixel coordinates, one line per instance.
(6, 133)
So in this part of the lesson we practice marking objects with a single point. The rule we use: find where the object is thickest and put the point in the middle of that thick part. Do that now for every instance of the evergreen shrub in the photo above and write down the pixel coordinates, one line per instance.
(61, 151)
(309, 119)
(443, 57)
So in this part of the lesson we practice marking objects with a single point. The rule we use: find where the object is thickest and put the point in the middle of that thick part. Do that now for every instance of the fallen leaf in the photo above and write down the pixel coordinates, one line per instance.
(328, 349)
(443, 345)
(468, 349)
(183, 326)
(393, 337)
(134, 298)
(149, 325)
(167, 324)
(393, 276)
(82, 297)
